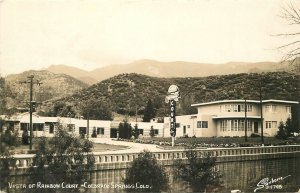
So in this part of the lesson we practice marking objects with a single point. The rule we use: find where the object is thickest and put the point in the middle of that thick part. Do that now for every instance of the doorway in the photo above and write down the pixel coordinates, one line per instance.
(255, 127)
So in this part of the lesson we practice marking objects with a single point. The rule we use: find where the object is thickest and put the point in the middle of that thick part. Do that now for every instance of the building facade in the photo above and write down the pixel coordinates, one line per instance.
(46, 126)
(214, 119)
(228, 118)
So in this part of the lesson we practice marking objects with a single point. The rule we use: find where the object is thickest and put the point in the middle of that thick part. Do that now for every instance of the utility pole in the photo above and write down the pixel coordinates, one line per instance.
(245, 126)
(31, 83)
(261, 114)
(88, 124)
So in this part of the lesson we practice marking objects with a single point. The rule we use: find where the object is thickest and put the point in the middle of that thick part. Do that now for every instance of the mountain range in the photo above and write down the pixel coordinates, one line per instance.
(64, 81)
(168, 69)
(126, 93)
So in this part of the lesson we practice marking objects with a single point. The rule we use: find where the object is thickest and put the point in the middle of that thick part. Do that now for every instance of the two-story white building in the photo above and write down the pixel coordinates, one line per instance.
(228, 118)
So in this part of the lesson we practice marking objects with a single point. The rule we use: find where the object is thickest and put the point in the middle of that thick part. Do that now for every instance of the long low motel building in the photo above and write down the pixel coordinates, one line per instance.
(46, 126)
(227, 118)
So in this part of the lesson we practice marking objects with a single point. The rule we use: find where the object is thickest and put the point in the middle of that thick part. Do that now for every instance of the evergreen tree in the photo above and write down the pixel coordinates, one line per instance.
(145, 170)
(125, 130)
(94, 134)
(152, 133)
(149, 111)
(289, 127)
(135, 131)
(200, 173)
(281, 134)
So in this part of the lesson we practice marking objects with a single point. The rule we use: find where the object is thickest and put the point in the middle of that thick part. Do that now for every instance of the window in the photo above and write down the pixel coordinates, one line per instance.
(82, 130)
(37, 126)
(184, 129)
(202, 124)
(223, 125)
(270, 108)
(51, 128)
(71, 127)
(228, 108)
(24, 126)
(177, 125)
(141, 131)
(155, 131)
(271, 124)
(242, 108)
(249, 125)
(188, 126)
(100, 131)
(241, 125)
(198, 124)
(235, 125)
(235, 108)
(249, 108)
(268, 124)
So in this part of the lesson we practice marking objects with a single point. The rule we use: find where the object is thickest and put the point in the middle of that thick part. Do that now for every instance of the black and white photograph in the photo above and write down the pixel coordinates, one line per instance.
(160, 96)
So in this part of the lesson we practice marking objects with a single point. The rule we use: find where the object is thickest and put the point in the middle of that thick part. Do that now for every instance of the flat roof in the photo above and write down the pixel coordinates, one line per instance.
(242, 101)
(235, 116)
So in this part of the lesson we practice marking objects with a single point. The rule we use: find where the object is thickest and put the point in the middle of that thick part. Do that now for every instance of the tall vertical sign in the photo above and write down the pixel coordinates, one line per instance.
(172, 98)
(173, 118)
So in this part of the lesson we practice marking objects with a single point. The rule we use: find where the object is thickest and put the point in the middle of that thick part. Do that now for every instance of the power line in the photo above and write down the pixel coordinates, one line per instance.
(31, 83)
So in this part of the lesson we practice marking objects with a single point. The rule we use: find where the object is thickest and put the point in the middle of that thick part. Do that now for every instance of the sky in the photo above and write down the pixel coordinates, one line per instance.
(90, 34)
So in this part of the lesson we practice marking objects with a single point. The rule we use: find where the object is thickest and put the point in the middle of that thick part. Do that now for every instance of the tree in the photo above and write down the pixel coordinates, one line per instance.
(135, 131)
(185, 107)
(291, 13)
(289, 127)
(152, 132)
(199, 172)
(149, 112)
(8, 140)
(94, 109)
(25, 137)
(94, 134)
(125, 130)
(286, 129)
(6, 161)
(63, 158)
(281, 134)
(145, 171)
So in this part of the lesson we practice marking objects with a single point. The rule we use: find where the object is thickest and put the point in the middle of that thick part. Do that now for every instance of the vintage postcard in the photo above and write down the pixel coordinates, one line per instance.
(149, 96)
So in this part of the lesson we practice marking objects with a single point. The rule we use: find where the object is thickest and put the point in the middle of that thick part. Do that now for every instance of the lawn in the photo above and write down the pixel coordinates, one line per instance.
(106, 147)
(22, 149)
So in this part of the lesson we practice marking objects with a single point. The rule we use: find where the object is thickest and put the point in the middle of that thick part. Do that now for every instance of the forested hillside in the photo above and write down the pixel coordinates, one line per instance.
(53, 86)
(127, 92)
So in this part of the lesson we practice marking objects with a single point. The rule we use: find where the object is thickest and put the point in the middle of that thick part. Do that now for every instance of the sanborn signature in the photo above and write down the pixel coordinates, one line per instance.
(265, 182)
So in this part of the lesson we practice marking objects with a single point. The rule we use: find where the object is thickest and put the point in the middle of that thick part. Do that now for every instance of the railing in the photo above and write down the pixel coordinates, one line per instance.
(24, 161)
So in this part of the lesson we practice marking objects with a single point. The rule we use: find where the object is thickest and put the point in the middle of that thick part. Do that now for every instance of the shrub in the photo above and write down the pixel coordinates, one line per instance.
(146, 171)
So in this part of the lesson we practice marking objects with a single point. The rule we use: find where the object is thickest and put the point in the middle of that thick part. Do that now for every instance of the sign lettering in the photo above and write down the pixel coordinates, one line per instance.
(173, 118)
